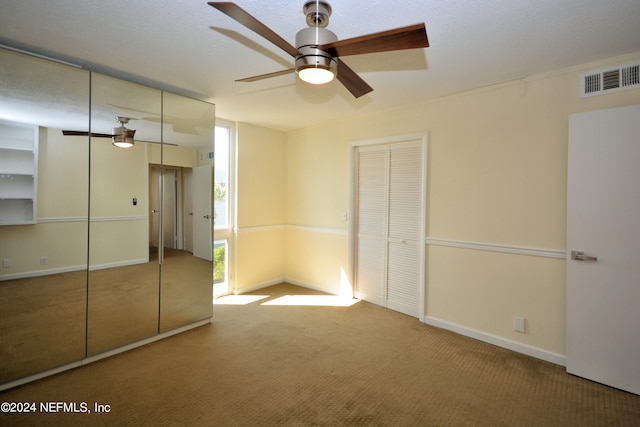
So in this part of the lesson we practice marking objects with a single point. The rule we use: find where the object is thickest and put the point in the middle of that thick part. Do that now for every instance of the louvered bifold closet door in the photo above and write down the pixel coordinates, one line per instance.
(371, 216)
(404, 220)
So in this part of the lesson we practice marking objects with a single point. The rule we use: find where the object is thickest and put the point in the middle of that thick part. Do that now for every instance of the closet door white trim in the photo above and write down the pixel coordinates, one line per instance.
(387, 234)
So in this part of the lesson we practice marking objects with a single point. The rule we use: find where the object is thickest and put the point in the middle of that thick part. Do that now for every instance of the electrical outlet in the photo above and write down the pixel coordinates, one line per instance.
(519, 324)
(43, 260)
(6, 263)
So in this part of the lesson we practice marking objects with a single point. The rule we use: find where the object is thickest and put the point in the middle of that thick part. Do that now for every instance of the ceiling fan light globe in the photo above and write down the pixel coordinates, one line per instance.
(122, 141)
(123, 144)
(123, 137)
(316, 75)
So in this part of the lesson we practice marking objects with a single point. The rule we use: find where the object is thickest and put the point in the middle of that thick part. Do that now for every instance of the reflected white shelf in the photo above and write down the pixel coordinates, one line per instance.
(18, 173)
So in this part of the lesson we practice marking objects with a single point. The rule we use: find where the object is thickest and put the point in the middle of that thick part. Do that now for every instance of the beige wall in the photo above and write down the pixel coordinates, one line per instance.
(172, 156)
(260, 242)
(497, 176)
(118, 230)
(317, 258)
(63, 175)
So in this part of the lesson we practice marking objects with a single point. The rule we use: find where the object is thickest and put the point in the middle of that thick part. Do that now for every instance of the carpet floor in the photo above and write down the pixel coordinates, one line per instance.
(288, 356)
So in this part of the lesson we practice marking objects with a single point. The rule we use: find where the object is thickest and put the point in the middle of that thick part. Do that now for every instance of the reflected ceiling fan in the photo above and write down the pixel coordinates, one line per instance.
(318, 51)
(121, 137)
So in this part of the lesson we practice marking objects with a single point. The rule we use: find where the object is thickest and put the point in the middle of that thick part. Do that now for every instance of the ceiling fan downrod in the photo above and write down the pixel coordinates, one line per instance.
(317, 13)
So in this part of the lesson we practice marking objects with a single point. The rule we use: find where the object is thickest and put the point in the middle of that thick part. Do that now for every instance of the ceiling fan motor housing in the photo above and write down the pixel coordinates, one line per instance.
(307, 42)
(120, 129)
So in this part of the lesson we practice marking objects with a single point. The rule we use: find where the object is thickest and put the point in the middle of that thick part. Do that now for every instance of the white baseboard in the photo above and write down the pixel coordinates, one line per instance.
(123, 263)
(518, 347)
(263, 285)
(258, 286)
(308, 286)
(72, 268)
(43, 272)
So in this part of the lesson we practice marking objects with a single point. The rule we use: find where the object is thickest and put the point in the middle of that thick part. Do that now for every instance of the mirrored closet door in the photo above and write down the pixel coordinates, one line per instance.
(106, 221)
(186, 189)
(44, 190)
(124, 277)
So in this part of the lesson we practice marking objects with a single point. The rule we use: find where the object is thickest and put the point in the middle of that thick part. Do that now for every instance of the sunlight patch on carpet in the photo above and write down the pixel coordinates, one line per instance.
(313, 300)
(239, 299)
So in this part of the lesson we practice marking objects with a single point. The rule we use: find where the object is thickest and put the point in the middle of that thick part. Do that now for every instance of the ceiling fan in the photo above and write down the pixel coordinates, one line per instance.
(121, 137)
(318, 51)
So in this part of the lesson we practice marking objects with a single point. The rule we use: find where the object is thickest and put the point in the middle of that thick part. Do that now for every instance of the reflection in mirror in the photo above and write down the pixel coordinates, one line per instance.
(123, 277)
(185, 187)
(43, 215)
(100, 246)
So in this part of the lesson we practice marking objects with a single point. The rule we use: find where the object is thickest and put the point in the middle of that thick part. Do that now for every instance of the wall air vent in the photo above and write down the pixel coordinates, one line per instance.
(613, 79)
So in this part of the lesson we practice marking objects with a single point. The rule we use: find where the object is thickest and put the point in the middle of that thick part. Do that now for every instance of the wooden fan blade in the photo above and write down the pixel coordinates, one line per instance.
(266, 76)
(81, 133)
(74, 133)
(352, 81)
(106, 135)
(410, 37)
(234, 11)
(157, 142)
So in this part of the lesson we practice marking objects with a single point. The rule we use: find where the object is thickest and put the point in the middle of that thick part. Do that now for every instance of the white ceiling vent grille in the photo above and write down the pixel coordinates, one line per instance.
(610, 80)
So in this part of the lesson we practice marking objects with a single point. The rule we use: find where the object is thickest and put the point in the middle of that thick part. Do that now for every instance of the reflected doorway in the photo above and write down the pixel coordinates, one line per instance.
(180, 240)
(165, 221)
(177, 216)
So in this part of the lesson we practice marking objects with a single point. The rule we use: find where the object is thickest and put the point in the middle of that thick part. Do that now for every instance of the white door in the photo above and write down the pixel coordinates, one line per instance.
(390, 182)
(603, 247)
(187, 210)
(163, 205)
(371, 223)
(406, 238)
(155, 201)
(201, 187)
(170, 208)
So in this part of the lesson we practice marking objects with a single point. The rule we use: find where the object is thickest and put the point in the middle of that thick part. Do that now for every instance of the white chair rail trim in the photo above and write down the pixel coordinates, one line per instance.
(498, 247)
(315, 229)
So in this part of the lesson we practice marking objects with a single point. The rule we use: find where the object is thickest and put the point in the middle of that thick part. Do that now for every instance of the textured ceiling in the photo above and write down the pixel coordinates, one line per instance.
(188, 47)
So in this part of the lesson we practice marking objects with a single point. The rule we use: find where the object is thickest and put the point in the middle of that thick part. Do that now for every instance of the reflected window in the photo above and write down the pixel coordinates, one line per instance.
(221, 179)
(220, 282)
(222, 207)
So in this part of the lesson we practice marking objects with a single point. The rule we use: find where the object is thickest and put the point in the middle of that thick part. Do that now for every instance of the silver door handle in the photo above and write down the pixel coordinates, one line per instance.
(580, 256)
